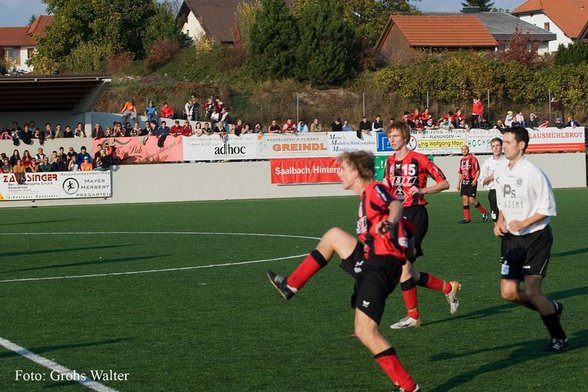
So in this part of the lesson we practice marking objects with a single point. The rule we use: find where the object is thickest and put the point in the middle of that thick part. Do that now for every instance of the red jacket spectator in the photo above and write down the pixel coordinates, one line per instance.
(176, 129)
(166, 111)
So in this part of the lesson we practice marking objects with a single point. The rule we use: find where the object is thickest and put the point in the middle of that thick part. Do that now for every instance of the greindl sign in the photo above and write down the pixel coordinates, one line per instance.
(299, 147)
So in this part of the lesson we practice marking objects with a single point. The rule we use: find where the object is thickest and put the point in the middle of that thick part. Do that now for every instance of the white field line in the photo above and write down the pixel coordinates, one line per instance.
(162, 269)
(66, 374)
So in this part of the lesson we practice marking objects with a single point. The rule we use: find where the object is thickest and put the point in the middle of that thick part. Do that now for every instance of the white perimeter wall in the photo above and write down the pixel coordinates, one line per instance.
(251, 180)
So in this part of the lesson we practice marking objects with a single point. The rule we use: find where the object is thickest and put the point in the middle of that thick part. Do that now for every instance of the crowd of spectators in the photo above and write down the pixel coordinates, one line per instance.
(58, 161)
(30, 131)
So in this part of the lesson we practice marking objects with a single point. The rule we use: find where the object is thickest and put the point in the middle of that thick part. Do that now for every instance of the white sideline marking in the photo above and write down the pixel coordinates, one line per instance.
(54, 366)
(162, 269)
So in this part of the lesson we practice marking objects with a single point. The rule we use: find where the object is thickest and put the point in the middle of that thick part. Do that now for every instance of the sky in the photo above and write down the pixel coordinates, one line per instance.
(18, 12)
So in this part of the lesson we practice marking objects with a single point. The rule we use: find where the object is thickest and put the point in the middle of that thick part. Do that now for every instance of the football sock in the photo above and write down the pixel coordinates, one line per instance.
(466, 212)
(481, 208)
(393, 368)
(553, 326)
(305, 270)
(434, 283)
(409, 293)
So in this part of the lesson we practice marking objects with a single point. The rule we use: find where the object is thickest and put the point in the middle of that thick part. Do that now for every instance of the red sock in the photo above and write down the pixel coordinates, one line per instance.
(466, 212)
(481, 208)
(434, 283)
(409, 293)
(394, 369)
(309, 266)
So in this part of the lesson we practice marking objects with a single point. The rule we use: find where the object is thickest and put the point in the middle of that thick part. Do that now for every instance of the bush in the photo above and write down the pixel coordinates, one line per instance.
(162, 51)
(119, 63)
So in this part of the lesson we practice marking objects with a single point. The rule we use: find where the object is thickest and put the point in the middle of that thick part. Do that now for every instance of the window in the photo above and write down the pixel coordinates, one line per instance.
(546, 26)
(13, 55)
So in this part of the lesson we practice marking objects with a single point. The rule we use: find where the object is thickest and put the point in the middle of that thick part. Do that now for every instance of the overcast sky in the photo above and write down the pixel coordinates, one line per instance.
(18, 12)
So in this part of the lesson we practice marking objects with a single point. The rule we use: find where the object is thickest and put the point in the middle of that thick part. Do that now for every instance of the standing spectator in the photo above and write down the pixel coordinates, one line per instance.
(378, 124)
(214, 119)
(161, 133)
(519, 119)
(316, 126)
(189, 109)
(336, 126)
(467, 185)
(346, 127)
(302, 127)
(129, 109)
(559, 123)
(572, 123)
(533, 120)
(151, 112)
(508, 119)
(526, 207)
(209, 106)
(364, 127)
(556, 107)
(224, 119)
(477, 112)
(167, 111)
(487, 174)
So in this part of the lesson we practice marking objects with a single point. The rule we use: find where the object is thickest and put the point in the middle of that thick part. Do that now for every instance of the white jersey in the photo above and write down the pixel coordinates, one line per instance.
(488, 168)
(523, 191)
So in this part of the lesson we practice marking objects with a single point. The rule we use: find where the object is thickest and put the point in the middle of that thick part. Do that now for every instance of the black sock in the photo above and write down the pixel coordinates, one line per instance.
(553, 326)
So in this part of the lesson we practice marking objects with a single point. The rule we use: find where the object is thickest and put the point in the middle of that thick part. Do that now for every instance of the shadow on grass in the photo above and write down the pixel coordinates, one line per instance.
(507, 306)
(521, 353)
(34, 222)
(570, 252)
(45, 349)
(54, 250)
(89, 262)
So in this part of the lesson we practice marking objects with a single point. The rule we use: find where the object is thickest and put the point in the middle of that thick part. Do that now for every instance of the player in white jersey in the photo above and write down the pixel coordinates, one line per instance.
(487, 174)
(526, 203)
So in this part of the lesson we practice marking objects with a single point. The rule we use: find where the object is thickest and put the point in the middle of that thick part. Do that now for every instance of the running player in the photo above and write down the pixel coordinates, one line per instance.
(526, 203)
(375, 261)
(406, 175)
(487, 174)
(469, 171)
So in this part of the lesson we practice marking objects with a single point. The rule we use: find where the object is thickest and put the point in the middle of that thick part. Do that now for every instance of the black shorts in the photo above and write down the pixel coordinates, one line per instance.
(493, 204)
(525, 255)
(419, 216)
(375, 280)
(467, 189)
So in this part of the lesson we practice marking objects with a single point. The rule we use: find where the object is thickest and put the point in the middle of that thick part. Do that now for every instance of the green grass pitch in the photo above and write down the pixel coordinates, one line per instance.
(202, 316)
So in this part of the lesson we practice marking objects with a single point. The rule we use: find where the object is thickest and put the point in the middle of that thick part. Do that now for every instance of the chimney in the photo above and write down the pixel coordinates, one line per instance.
(470, 9)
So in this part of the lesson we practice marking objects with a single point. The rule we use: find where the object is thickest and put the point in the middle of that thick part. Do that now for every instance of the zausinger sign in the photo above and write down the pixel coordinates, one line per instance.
(55, 185)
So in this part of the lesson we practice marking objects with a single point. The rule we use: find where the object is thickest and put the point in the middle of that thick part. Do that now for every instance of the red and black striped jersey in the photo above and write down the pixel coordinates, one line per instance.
(413, 170)
(468, 167)
(373, 209)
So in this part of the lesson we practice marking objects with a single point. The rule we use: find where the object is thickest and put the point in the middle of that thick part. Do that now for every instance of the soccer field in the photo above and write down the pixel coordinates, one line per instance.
(173, 297)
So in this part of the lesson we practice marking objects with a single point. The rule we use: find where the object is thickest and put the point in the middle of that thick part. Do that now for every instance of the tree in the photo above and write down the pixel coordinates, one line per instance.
(100, 27)
(577, 53)
(327, 50)
(274, 36)
(245, 18)
(484, 5)
(519, 48)
(163, 25)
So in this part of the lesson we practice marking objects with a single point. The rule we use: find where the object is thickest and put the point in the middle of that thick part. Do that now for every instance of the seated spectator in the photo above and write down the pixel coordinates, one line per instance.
(214, 118)
(463, 125)
(72, 164)
(407, 117)
(533, 120)
(33, 167)
(86, 165)
(151, 112)
(79, 131)
(446, 122)
(71, 153)
(98, 132)
(26, 158)
(187, 128)
(257, 128)
(128, 129)
(136, 130)
(337, 126)
(97, 154)
(58, 131)
(207, 130)
(378, 124)
(58, 165)
(544, 124)
(68, 132)
(198, 129)
(483, 123)
(500, 125)
(6, 166)
(167, 111)
(274, 127)
(161, 133)
(316, 126)
(457, 118)
(508, 119)
(519, 120)
(19, 171)
(425, 115)
(176, 129)
(559, 123)
(49, 132)
(14, 157)
(302, 127)
(129, 109)
(572, 123)
(289, 126)
(430, 124)
(83, 155)
(44, 166)
(5, 134)
(346, 127)
(61, 153)
(246, 129)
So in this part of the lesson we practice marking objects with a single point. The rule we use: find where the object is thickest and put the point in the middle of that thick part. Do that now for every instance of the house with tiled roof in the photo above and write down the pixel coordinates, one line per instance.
(568, 19)
(210, 18)
(17, 44)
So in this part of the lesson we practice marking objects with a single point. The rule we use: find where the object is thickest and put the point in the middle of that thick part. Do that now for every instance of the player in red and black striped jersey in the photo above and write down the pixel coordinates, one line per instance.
(406, 175)
(375, 260)
(469, 171)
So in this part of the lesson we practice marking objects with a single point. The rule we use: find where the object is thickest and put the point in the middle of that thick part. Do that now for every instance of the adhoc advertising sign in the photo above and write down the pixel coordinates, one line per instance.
(143, 149)
(302, 145)
(305, 171)
(214, 148)
(56, 185)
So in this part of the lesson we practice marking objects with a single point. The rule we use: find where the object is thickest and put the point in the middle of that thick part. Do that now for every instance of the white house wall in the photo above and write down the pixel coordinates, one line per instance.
(539, 20)
(192, 28)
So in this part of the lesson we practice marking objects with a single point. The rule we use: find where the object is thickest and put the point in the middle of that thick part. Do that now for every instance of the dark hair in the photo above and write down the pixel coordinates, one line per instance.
(520, 134)
(496, 139)
(362, 161)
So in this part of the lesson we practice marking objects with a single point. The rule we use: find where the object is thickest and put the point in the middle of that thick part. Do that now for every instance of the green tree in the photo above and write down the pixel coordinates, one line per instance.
(274, 36)
(577, 53)
(485, 5)
(327, 50)
(163, 25)
(245, 18)
(99, 26)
